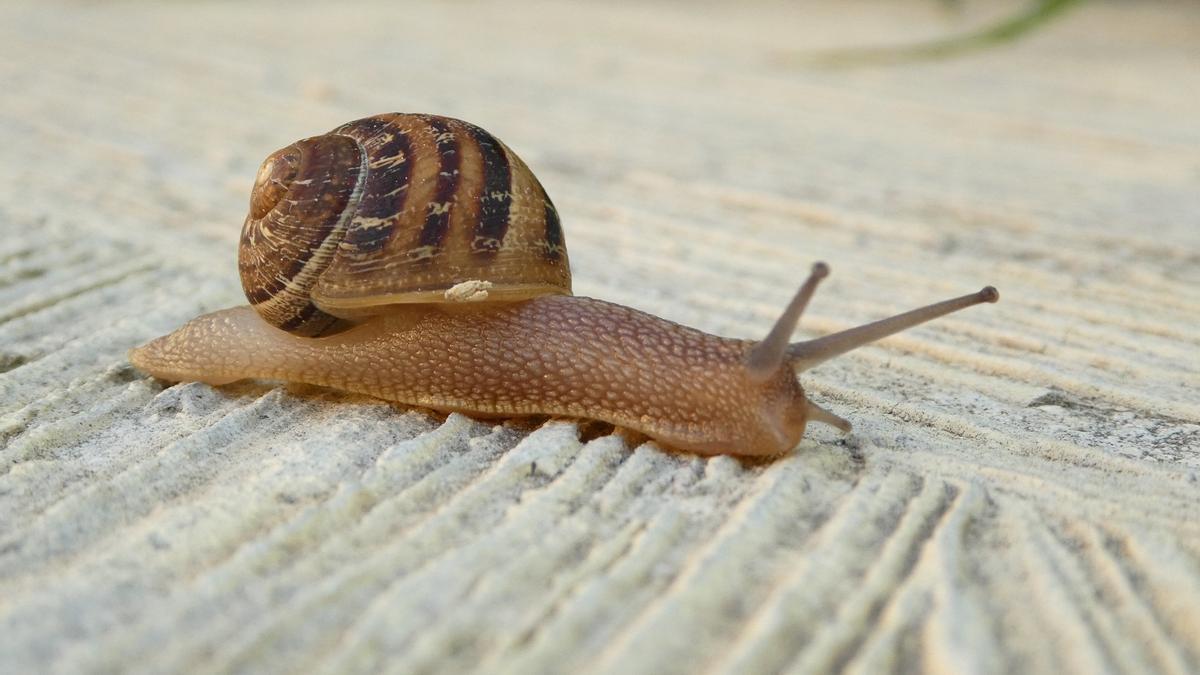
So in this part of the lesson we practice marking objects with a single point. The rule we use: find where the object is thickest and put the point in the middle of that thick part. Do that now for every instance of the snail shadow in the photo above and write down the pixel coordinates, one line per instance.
(587, 430)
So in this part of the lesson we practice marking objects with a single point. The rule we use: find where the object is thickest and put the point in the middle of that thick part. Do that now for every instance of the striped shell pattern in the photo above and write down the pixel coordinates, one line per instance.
(393, 209)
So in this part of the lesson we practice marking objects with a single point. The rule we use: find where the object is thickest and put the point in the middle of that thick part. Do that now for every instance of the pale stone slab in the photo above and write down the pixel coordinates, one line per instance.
(1022, 489)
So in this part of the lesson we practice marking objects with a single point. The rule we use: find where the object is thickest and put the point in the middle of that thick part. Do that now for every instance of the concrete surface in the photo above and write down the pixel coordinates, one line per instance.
(1021, 490)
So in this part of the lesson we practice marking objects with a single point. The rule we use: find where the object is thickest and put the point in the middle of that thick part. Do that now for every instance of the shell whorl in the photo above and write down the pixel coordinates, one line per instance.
(395, 209)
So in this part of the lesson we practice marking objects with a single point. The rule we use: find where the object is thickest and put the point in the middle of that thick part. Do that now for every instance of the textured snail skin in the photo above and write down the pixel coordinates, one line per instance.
(552, 355)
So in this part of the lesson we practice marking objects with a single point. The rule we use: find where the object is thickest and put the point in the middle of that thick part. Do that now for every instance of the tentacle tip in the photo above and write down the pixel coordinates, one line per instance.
(820, 270)
(989, 294)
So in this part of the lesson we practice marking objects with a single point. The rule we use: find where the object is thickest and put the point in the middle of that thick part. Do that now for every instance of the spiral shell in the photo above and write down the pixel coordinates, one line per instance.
(392, 209)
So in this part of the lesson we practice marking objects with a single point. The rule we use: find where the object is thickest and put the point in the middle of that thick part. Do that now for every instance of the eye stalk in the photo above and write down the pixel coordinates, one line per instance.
(805, 355)
(765, 359)
(767, 356)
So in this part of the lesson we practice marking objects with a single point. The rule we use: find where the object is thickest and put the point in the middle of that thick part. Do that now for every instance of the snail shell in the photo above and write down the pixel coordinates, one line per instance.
(395, 209)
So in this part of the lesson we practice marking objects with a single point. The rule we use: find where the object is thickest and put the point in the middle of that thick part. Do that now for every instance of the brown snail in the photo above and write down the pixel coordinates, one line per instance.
(417, 259)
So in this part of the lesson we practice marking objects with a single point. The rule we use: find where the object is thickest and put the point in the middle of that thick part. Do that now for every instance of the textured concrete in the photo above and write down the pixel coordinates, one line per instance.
(1021, 490)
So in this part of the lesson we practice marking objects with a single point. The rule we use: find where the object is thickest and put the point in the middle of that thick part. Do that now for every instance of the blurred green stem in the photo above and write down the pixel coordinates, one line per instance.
(1003, 31)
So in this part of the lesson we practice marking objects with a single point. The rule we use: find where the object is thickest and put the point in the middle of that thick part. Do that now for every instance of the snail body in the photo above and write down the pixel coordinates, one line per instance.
(528, 348)
(553, 355)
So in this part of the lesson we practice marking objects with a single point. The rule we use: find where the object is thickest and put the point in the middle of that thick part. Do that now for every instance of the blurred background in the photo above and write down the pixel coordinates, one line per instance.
(975, 120)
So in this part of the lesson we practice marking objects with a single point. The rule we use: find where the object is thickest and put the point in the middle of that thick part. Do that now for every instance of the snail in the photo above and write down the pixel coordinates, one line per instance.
(415, 258)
